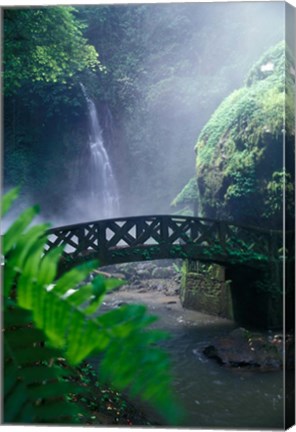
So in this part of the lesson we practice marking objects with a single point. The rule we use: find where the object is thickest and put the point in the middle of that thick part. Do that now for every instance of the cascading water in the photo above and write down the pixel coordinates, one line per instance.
(103, 188)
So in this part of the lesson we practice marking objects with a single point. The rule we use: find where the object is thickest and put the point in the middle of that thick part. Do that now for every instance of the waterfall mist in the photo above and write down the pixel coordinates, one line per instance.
(189, 81)
(100, 196)
(123, 144)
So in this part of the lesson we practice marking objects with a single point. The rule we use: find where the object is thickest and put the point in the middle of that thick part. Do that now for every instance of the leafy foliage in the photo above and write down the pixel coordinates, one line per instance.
(241, 147)
(167, 67)
(35, 384)
(44, 44)
(188, 194)
(280, 186)
(45, 52)
(64, 312)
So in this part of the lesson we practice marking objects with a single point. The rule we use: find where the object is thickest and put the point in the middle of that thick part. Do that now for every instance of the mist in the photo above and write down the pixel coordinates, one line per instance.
(193, 78)
(164, 80)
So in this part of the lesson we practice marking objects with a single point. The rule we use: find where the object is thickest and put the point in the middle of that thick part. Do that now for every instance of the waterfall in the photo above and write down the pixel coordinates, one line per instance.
(103, 188)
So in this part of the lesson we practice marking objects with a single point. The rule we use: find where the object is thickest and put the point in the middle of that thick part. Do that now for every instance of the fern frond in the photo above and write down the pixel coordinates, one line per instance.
(48, 267)
(18, 228)
(65, 312)
(129, 353)
(16, 256)
(33, 382)
(8, 200)
(74, 277)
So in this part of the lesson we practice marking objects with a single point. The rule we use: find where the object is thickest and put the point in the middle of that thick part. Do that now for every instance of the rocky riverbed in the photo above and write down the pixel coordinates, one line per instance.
(242, 394)
(245, 349)
(242, 348)
(161, 276)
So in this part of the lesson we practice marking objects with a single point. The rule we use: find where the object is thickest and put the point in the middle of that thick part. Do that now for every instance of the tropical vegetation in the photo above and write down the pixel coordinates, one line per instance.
(156, 74)
(50, 320)
(240, 151)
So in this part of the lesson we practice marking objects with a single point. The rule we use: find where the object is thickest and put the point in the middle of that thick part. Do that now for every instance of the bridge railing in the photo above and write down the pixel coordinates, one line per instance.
(168, 236)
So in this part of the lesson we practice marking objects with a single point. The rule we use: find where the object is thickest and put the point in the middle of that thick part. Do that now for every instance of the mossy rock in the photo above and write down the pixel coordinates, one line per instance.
(239, 153)
(188, 194)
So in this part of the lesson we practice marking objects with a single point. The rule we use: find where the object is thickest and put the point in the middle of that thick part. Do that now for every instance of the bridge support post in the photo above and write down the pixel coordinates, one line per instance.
(204, 288)
(251, 297)
(257, 296)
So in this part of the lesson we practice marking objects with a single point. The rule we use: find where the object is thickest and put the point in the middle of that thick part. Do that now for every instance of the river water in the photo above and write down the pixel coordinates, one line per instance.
(212, 396)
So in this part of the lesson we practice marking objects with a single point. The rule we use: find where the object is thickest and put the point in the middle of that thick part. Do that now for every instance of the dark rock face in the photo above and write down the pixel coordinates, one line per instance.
(253, 350)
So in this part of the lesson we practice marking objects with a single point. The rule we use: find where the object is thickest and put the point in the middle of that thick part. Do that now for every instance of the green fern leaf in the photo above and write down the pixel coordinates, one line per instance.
(61, 319)
(35, 375)
(80, 296)
(58, 412)
(48, 390)
(35, 354)
(9, 378)
(73, 277)
(29, 382)
(18, 227)
(39, 306)
(24, 242)
(15, 258)
(27, 283)
(8, 200)
(56, 314)
(20, 319)
(79, 345)
(100, 287)
(49, 265)
(15, 403)
(65, 320)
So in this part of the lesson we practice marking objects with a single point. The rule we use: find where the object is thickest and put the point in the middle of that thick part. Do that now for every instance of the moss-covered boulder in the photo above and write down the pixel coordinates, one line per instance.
(240, 151)
(187, 200)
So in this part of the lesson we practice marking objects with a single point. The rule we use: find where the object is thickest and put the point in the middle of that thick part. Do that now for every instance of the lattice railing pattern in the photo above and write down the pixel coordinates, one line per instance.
(154, 237)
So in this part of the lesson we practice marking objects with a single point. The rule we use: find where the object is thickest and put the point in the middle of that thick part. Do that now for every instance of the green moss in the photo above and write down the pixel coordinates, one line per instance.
(188, 194)
(241, 146)
(280, 182)
(279, 56)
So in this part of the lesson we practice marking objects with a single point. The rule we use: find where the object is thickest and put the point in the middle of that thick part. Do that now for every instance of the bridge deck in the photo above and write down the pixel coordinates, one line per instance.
(142, 238)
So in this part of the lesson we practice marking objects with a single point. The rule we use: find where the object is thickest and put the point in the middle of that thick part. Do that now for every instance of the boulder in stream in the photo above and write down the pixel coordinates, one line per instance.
(242, 348)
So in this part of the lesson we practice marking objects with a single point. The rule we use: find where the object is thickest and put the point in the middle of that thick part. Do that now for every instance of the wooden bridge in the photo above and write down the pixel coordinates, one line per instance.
(143, 238)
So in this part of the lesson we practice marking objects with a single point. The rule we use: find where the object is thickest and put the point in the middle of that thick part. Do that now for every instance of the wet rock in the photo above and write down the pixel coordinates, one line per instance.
(147, 277)
(127, 269)
(178, 277)
(163, 272)
(142, 290)
(242, 348)
(119, 276)
(134, 279)
(144, 274)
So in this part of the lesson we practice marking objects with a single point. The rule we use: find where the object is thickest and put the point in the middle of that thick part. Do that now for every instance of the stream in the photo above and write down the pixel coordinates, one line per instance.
(213, 396)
